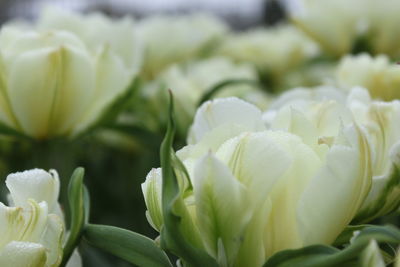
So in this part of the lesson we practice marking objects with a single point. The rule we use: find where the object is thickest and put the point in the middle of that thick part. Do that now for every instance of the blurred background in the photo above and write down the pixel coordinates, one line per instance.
(240, 14)
(114, 174)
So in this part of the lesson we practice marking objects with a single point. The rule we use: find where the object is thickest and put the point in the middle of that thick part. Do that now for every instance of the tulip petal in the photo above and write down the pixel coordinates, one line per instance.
(22, 224)
(224, 112)
(23, 254)
(6, 115)
(256, 159)
(52, 239)
(384, 196)
(321, 214)
(371, 256)
(112, 80)
(152, 189)
(34, 184)
(280, 231)
(221, 207)
(56, 88)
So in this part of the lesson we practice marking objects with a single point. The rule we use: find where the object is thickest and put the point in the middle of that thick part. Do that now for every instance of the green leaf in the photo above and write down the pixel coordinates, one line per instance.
(86, 204)
(219, 86)
(76, 200)
(130, 246)
(7, 130)
(174, 210)
(325, 256)
(347, 234)
(307, 256)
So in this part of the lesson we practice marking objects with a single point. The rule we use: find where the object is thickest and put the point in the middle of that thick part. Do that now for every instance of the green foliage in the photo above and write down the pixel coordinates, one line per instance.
(173, 208)
(325, 256)
(78, 203)
(130, 246)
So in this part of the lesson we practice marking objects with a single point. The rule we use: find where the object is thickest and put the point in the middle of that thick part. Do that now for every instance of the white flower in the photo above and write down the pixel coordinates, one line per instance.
(377, 74)
(325, 111)
(53, 83)
(32, 228)
(172, 39)
(258, 191)
(339, 26)
(334, 24)
(189, 82)
(96, 31)
(273, 50)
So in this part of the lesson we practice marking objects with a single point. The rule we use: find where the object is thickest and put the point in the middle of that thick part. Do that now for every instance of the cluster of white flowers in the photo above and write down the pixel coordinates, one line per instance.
(261, 172)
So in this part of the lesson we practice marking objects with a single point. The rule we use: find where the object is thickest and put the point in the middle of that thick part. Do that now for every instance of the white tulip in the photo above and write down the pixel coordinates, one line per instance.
(340, 25)
(380, 76)
(32, 228)
(344, 20)
(273, 50)
(96, 31)
(257, 191)
(189, 82)
(172, 39)
(53, 84)
(326, 111)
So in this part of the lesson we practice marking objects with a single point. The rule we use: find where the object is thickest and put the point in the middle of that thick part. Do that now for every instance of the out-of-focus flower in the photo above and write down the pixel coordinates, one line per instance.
(383, 32)
(310, 75)
(326, 110)
(67, 83)
(274, 51)
(173, 39)
(257, 191)
(339, 26)
(340, 17)
(32, 227)
(97, 31)
(377, 74)
(189, 82)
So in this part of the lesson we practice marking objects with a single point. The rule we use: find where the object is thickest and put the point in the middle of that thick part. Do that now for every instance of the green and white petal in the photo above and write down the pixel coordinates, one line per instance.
(75, 260)
(36, 184)
(152, 190)
(347, 173)
(222, 209)
(23, 254)
(224, 111)
(384, 196)
(256, 159)
(112, 80)
(58, 84)
(371, 256)
(281, 231)
(52, 240)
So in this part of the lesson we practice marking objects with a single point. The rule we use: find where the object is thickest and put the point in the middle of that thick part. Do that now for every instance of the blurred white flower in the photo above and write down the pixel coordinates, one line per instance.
(55, 84)
(96, 31)
(339, 25)
(189, 82)
(274, 51)
(334, 24)
(172, 39)
(380, 76)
